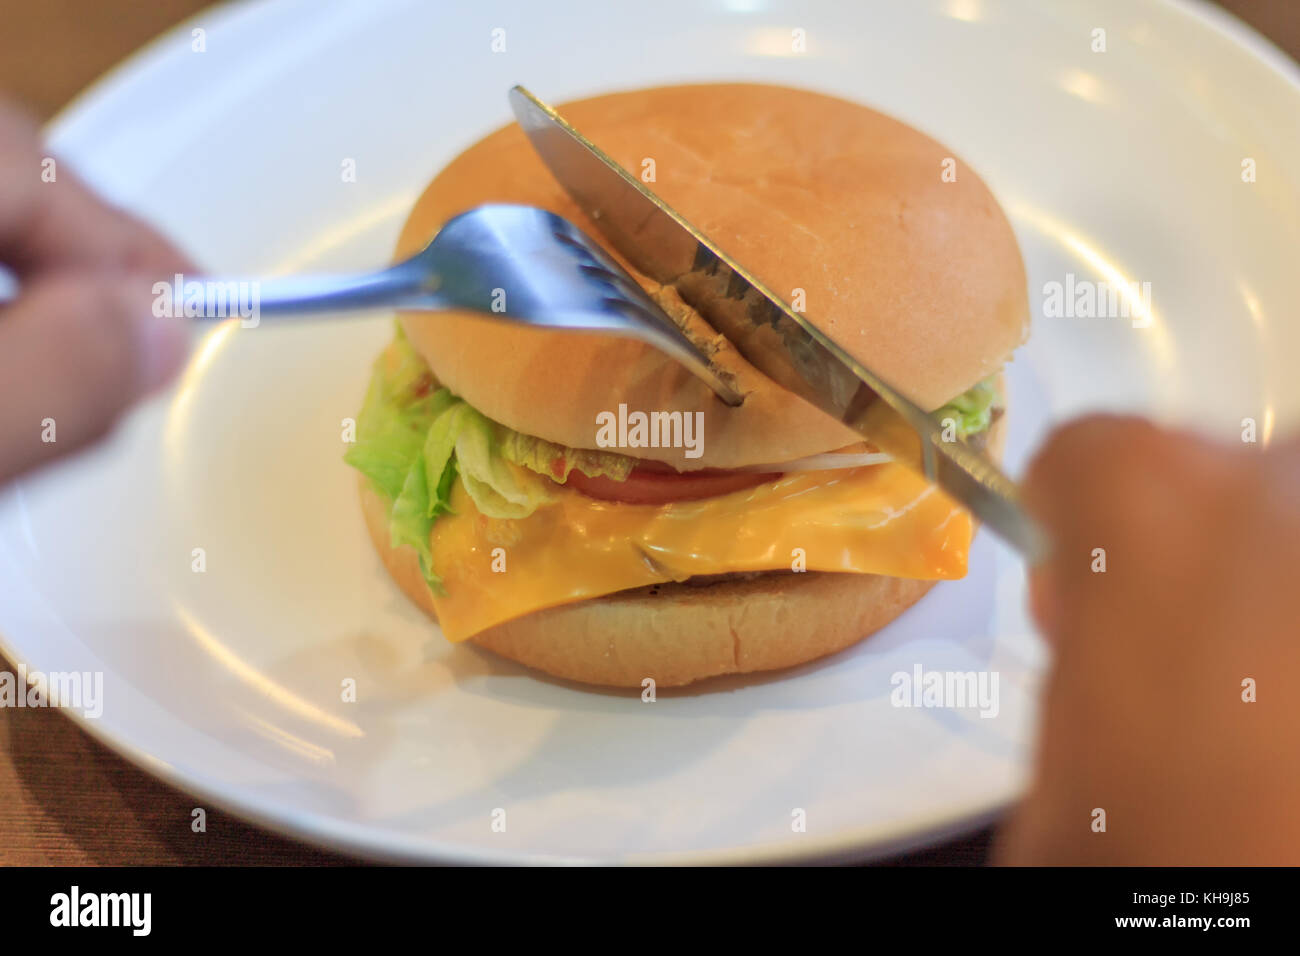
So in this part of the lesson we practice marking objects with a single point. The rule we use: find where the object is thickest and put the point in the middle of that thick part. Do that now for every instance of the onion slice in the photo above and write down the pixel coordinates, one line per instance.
(830, 461)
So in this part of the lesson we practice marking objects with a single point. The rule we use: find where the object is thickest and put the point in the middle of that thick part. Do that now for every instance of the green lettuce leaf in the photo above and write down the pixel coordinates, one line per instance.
(460, 441)
(410, 523)
(439, 455)
(556, 461)
(972, 411)
(426, 490)
(499, 489)
(400, 405)
(415, 439)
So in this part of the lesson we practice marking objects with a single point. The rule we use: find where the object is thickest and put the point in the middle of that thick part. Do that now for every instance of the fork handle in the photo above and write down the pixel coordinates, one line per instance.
(305, 295)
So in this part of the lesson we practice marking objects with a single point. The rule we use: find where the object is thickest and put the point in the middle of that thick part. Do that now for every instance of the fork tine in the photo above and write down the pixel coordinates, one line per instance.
(513, 250)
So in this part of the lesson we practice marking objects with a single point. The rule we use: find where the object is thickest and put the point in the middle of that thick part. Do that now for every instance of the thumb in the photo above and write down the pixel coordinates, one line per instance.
(75, 352)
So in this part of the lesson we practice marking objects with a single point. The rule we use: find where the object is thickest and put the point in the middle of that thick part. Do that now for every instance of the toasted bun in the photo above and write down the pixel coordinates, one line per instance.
(679, 633)
(919, 278)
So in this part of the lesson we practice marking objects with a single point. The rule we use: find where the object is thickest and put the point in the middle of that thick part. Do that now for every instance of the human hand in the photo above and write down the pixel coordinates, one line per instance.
(1144, 716)
(80, 343)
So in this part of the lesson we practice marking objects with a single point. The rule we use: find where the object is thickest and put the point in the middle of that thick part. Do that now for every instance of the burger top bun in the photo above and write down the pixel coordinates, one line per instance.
(918, 277)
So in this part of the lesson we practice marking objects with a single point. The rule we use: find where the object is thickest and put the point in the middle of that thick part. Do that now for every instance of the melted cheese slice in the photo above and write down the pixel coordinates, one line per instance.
(881, 519)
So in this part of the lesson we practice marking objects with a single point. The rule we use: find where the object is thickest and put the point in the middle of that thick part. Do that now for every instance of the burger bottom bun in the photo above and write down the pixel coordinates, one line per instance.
(679, 633)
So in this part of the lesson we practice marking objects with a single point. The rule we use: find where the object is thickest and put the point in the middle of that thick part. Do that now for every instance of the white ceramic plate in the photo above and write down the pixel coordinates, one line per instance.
(1117, 164)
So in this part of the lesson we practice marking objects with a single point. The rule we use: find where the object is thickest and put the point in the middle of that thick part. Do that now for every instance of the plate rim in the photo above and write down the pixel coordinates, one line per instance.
(371, 842)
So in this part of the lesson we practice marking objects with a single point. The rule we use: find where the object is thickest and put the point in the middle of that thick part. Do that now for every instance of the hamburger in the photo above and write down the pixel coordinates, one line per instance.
(774, 535)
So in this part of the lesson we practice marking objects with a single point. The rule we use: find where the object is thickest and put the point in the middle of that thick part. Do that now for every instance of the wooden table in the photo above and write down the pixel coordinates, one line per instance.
(65, 799)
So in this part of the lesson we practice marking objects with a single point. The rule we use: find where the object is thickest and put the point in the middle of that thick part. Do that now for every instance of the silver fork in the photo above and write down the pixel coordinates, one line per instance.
(516, 263)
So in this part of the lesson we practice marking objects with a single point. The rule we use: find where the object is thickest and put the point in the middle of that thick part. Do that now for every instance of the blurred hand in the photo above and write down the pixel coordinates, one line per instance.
(80, 344)
(1144, 716)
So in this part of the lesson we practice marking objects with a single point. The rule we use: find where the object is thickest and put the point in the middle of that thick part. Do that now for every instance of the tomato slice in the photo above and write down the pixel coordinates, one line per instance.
(655, 486)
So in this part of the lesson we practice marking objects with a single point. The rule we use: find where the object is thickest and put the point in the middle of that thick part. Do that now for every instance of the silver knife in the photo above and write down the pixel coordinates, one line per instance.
(771, 336)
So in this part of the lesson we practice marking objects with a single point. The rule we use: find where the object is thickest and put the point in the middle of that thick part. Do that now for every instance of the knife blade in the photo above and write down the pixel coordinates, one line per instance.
(781, 343)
